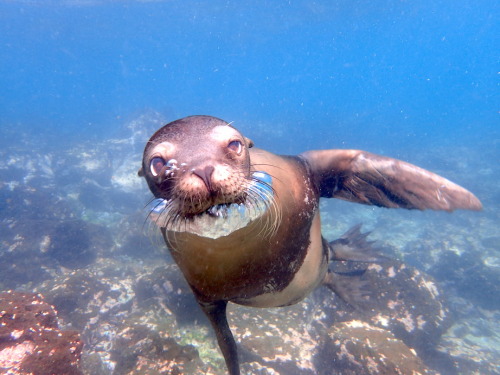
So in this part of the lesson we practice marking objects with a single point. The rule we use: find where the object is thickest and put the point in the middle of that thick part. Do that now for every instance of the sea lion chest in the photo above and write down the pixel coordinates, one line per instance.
(275, 260)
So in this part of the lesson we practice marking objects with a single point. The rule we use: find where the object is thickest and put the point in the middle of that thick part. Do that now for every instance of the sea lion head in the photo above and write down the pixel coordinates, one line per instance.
(198, 163)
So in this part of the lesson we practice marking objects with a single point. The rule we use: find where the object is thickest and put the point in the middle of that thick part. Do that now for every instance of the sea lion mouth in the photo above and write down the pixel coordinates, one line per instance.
(220, 219)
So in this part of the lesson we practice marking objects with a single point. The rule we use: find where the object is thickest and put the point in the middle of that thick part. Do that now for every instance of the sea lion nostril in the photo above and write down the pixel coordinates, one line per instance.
(206, 175)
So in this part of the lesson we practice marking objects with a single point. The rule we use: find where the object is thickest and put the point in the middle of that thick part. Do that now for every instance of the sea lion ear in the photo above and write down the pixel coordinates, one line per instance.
(362, 177)
(140, 172)
(249, 142)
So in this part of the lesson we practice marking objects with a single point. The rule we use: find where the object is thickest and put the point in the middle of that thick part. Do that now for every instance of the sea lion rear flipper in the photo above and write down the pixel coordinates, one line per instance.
(362, 177)
(353, 246)
(350, 289)
(216, 313)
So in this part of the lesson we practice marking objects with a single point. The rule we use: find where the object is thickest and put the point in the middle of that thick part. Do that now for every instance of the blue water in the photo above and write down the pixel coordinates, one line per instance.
(417, 80)
(381, 71)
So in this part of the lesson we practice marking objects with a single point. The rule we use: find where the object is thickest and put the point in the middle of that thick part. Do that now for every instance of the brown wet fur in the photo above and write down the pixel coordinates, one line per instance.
(253, 265)
(242, 265)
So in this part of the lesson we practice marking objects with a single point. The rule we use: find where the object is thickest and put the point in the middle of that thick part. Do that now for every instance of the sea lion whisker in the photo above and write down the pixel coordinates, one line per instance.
(255, 201)
(265, 165)
(275, 216)
(169, 216)
(164, 217)
(150, 211)
(153, 222)
(263, 195)
(255, 165)
(269, 172)
(149, 202)
(267, 185)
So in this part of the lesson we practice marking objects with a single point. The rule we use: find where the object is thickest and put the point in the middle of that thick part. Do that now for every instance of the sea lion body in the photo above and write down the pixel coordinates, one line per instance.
(243, 224)
(248, 265)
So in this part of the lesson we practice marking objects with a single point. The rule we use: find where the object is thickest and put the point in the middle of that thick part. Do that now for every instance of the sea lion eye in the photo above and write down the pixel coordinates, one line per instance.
(235, 146)
(156, 165)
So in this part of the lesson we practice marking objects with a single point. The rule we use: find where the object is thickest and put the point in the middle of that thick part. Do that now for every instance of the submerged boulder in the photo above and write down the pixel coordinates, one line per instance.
(30, 339)
(402, 300)
(358, 348)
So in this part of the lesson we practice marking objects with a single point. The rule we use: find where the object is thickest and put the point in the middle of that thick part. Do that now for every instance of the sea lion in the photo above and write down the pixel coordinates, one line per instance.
(243, 224)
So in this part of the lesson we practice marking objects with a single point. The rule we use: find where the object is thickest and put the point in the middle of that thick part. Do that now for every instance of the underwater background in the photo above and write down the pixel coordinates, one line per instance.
(85, 83)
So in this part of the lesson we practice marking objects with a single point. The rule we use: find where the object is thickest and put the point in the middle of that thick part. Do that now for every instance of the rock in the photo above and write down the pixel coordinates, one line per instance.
(85, 296)
(473, 344)
(168, 284)
(30, 340)
(40, 233)
(125, 323)
(23, 257)
(404, 304)
(137, 315)
(138, 349)
(402, 300)
(469, 271)
(358, 348)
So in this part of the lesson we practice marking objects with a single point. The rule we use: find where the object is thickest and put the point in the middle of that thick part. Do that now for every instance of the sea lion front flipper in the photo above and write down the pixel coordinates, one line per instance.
(216, 313)
(362, 177)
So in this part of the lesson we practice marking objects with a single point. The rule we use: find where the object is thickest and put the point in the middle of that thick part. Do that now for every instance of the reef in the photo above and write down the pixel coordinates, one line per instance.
(73, 229)
(30, 339)
(356, 347)
(404, 316)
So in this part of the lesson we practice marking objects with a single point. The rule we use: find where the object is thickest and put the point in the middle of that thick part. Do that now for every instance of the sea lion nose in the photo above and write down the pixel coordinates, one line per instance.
(206, 175)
